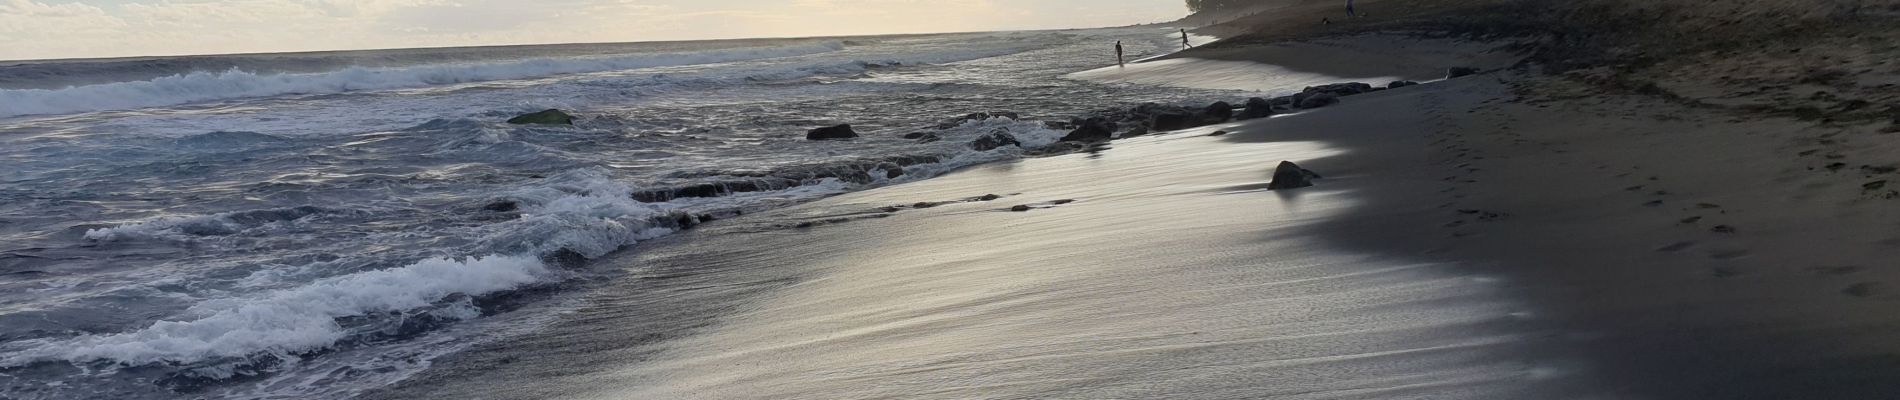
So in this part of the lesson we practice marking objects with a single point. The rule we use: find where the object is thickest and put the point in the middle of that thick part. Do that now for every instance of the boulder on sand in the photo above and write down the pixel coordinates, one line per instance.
(1257, 108)
(1219, 112)
(1339, 89)
(993, 141)
(1455, 72)
(841, 131)
(1318, 100)
(546, 117)
(1172, 122)
(1091, 130)
(1290, 176)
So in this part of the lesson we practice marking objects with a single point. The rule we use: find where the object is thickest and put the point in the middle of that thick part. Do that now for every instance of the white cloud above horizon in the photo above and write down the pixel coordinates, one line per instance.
(47, 29)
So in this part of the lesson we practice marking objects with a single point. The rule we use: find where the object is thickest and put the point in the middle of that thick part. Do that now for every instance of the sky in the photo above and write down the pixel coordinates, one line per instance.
(47, 29)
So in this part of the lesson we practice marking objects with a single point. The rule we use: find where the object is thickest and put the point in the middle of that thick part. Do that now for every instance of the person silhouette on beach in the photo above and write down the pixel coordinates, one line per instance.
(1349, 11)
(1184, 39)
(1118, 55)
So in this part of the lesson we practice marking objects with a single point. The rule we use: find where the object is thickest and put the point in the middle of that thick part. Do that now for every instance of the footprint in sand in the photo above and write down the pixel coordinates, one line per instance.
(1863, 289)
(1836, 270)
(1679, 246)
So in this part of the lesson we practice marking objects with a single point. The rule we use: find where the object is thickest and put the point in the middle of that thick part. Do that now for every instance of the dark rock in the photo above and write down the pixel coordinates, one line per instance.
(1257, 108)
(918, 135)
(502, 206)
(1339, 89)
(564, 258)
(1020, 208)
(929, 138)
(989, 197)
(1400, 84)
(1218, 133)
(1056, 148)
(891, 170)
(1456, 72)
(1722, 229)
(1137, 131)
(1172, 122)
(993, 141)
(1091, 130)
(1318, 100)
(1219, 112)
(546, 117)
(1290, 176)
(842, 131)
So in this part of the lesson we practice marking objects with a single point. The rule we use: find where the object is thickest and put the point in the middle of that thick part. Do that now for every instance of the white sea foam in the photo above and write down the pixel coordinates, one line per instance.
(159, 227)
(295, 320)
(584, 211)
(232, 84)
(184, 227)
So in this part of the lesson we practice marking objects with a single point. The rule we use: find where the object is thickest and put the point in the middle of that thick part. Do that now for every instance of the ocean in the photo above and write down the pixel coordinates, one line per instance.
(315, 225)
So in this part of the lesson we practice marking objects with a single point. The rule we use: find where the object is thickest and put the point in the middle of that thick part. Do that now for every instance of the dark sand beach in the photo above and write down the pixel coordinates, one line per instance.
(1523, 233)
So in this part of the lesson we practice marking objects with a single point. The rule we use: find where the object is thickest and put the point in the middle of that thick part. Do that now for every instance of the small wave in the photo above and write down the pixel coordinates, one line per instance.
(232, 84)
(203, 225)
(581, 211)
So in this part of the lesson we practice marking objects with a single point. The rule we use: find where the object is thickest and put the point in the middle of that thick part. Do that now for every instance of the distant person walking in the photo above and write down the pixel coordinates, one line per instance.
(1123, 62)
(1184, 39)
(1349, 10)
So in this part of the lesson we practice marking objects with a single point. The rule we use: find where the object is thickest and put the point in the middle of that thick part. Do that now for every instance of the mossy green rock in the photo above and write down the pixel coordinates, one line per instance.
(549, 117)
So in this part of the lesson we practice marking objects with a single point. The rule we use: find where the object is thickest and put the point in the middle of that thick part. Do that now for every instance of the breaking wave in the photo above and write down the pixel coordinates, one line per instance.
(298, 320)
(204, 86)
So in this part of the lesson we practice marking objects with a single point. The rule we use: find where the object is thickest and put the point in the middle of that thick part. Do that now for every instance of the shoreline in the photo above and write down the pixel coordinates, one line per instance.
(697, 286)
(1629, 244)
(985, 291)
